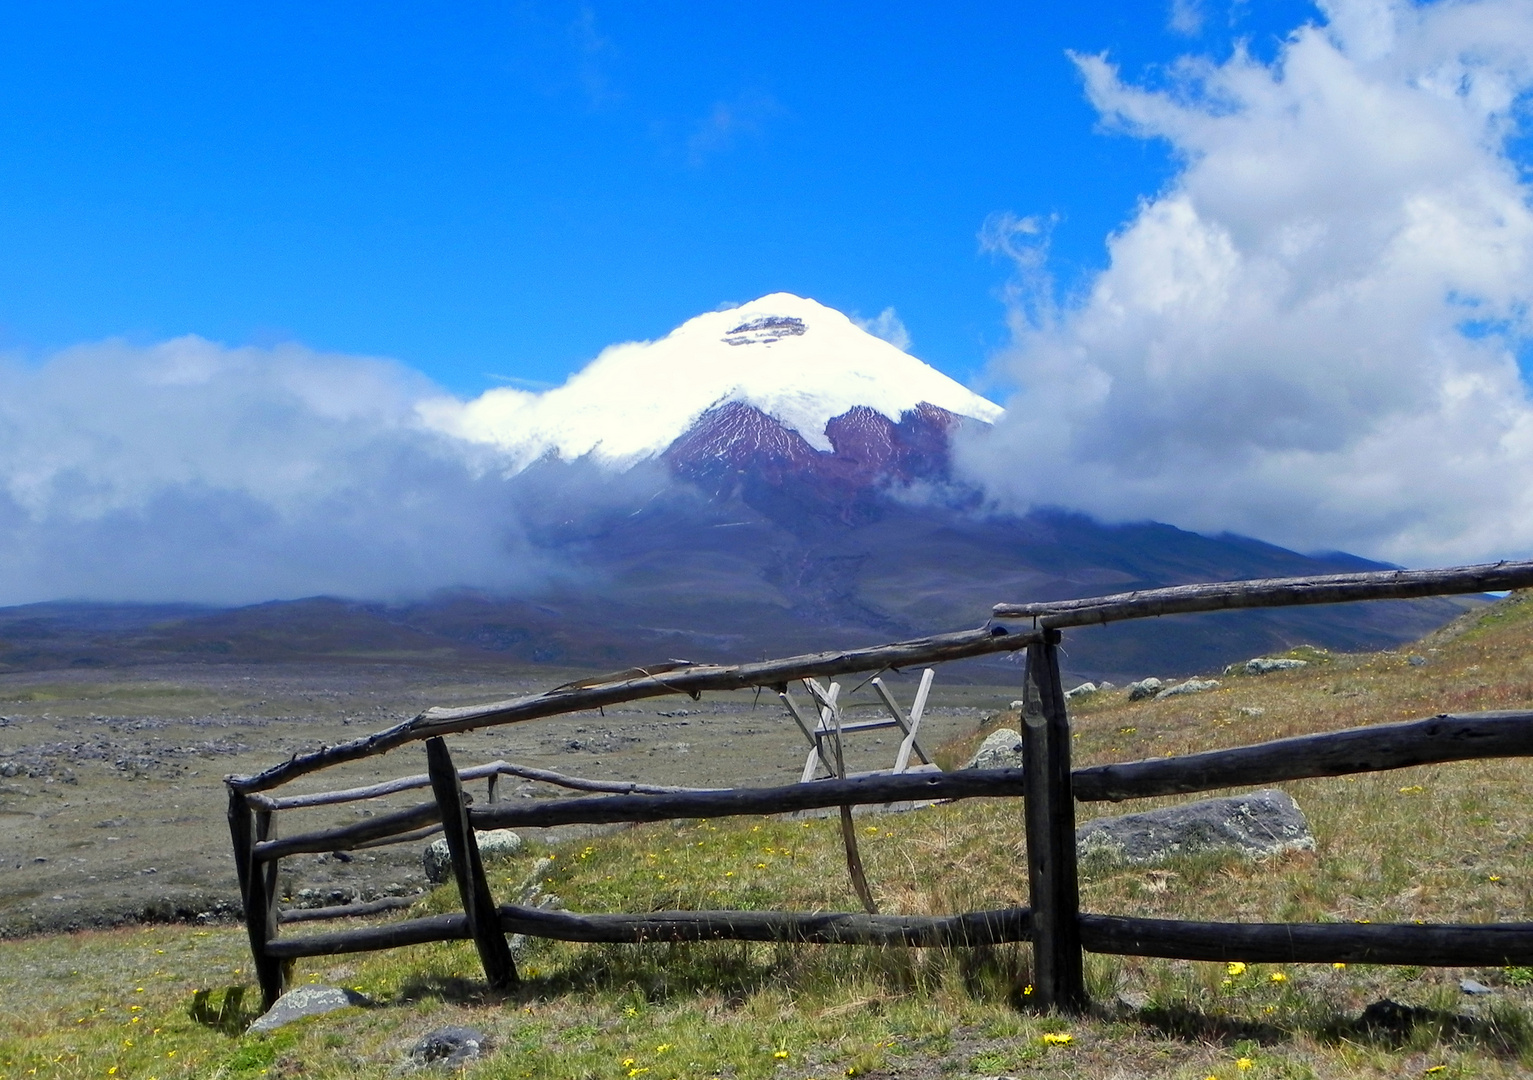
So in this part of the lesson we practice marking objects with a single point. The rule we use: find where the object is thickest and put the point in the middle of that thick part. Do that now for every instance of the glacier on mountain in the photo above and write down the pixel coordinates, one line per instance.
(793, 359)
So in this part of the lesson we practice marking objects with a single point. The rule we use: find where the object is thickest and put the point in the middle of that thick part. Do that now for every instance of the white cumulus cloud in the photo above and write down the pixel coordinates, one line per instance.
(1311, 334)
(191, 471)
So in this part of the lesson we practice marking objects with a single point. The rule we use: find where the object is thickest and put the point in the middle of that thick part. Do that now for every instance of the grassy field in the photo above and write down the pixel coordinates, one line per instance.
(1439, 843)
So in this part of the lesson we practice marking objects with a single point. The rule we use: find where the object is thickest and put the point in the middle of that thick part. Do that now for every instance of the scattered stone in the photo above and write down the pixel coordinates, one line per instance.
(1104, 686)
(1263, 665)
(1017, 706)
(1415, 660)
(1257, 825)
(1191, 686)
(1001, 749)
(493, 844)
(305, 1001)
(1469, 986)
(1138, 691)
(1252, 711)
(1083, 690)
(450, 1047)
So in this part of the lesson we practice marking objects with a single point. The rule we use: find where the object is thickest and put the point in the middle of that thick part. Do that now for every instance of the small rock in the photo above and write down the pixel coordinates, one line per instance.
(1138, 691)
(1260, 824)
(304, 1001)
(1001, 749)
(1252, 711)
(1082, 690)
(1416, 661)
(493, 844)
(1104, 686)
(451, 1047)
(1191, 686)
(1133, 1000)
(1262, 665)
(1469, 986)
(1017, 706)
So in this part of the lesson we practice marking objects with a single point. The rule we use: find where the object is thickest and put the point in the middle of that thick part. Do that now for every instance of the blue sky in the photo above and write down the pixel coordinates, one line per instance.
(487, 191)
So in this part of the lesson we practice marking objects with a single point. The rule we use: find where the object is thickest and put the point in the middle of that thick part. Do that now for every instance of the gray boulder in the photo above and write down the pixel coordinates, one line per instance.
(493, 844)
(1001, 750)
(1082, 690)
(305, 1001)
(1191, 686)
(1262, 665)
(1256, 825)
(449, 1047)
(1138, 691)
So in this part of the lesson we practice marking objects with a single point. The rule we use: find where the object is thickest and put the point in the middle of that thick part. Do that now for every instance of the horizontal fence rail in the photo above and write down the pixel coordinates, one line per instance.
(1273, 592)
(828, 928)
(476, 772)
(627, 686)
(615, 809)
(1463, 945)
(1448, 737)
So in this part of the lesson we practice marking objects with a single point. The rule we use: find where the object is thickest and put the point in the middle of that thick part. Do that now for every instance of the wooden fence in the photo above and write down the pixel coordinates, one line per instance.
(1048, 785)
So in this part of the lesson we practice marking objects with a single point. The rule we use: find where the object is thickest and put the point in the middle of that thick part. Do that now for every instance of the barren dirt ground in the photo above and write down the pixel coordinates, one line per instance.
(112, 806)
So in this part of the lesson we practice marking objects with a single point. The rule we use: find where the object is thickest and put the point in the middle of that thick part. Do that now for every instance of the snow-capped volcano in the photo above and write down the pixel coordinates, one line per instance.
(792, 359)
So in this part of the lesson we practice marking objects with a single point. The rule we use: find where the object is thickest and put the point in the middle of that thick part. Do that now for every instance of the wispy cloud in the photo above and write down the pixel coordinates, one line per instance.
(744, 116)
(887, 325)
(592, 50)
(1311, 334)
(1187, 17)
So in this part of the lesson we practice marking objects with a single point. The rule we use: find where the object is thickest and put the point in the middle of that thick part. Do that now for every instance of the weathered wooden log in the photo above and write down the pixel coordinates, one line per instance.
(823, 928)
(468, 869)
(347, 837)
(1463, 945)
(826, 928)
(476, 772)
(398, 838)
(453, 927)
(693, 679)
(1448, 737)
(347, 911)
(855, 791)
(872, 789)
(1272, 592)
(1049, 809)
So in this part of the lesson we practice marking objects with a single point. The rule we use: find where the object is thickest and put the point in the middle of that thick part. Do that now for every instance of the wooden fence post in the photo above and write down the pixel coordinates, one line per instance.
(1049, 808)
(258, 885)
(478, 904)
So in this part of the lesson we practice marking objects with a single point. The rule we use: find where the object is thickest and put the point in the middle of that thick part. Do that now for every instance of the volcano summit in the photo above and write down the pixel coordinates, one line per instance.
(764, 480)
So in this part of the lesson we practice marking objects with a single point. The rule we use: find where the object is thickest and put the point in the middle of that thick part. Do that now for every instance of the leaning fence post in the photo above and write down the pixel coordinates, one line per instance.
(1049, 806)
(478, 904)
(258, 884)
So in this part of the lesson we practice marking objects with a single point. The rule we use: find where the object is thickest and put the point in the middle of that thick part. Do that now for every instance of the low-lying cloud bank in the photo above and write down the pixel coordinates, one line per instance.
(190, 471)
(1311, 334)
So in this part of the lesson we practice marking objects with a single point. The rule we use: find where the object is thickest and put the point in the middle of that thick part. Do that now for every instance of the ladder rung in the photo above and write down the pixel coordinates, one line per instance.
(860, 725)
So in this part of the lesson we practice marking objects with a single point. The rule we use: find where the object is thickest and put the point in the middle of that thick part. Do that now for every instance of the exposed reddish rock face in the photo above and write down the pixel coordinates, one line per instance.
(736, 448)
(868, 449)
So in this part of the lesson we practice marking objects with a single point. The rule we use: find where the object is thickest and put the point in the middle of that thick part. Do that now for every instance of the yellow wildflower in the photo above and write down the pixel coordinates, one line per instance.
(1277, 976)
(1058, 1038)
(780, 1054)
(1244, 1063)
(1235, 967)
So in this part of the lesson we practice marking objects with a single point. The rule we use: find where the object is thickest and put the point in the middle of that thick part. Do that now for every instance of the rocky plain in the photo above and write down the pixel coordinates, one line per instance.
(112, 802)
